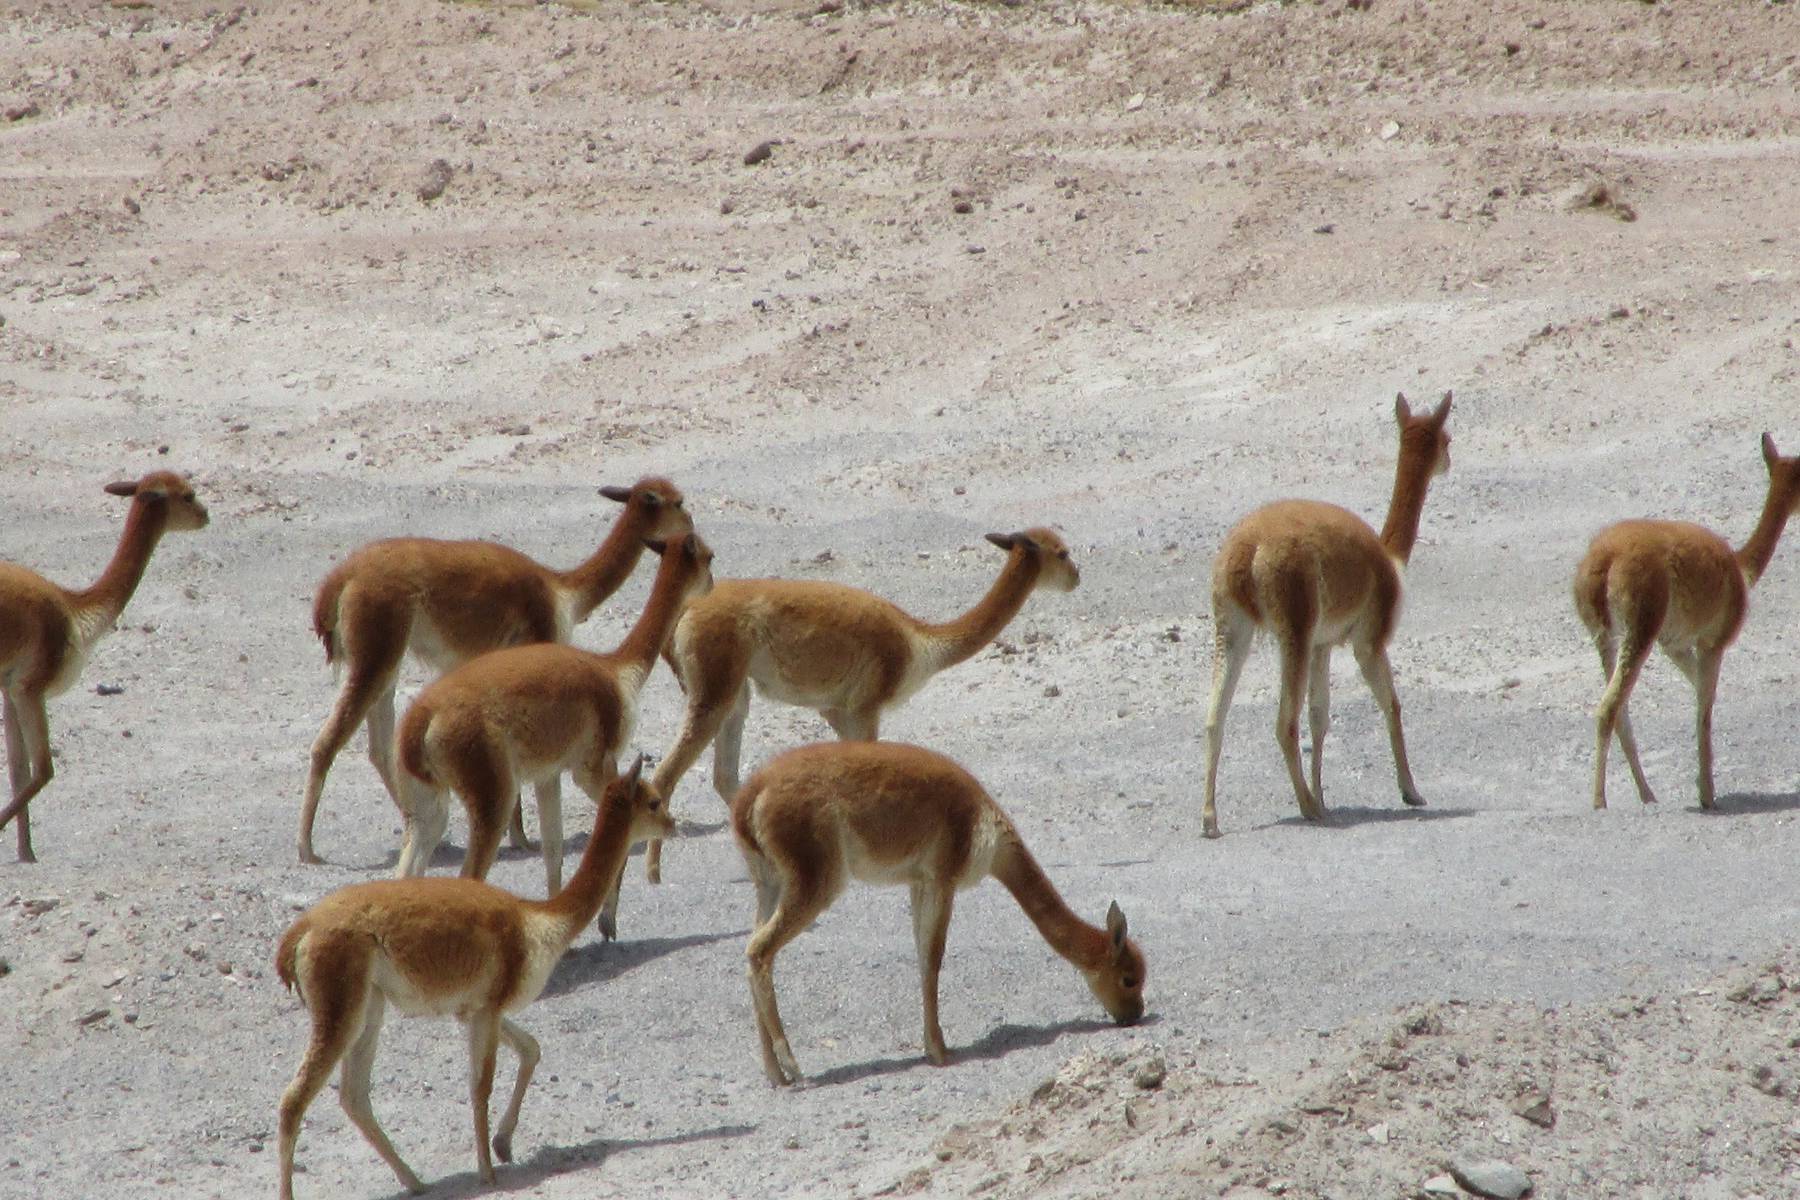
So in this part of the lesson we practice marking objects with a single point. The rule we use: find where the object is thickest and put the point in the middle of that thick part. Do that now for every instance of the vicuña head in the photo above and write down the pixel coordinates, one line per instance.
(47, 632)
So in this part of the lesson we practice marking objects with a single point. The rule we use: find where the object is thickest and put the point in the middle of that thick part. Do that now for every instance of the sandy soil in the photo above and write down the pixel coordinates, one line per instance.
(443, 268)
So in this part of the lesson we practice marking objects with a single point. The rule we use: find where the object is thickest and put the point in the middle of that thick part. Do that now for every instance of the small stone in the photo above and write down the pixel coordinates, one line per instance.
(1136, 102)
(20, 112)
(41, 905)
(131, 206)
(74, 956)
(1379, 1134)
(1150, 1076)
(224, 967)
(759, 153)
(196, 951)
(1390, 131)
(437, 178)
(792, 1143)
(1491, 1177)
(1441, 1185)
(94, 1017)
(1535, 1107)
(1328, 227)
(1052, 691)
(962, 206)
(727, 206)
(108, 689)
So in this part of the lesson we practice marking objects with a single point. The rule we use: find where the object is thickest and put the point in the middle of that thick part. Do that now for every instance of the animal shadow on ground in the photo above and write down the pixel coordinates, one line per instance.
(1351, 814)
(998, 1041)
(547, 1162)
(1732, 804)
(595, 961)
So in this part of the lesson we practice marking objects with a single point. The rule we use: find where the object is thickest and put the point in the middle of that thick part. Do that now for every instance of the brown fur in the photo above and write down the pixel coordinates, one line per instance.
(815, 817)
(1314, 575)
(527, 713)
(451, 947)
(1642, 583)
(47, 632)
(844, 652)
(449, 602)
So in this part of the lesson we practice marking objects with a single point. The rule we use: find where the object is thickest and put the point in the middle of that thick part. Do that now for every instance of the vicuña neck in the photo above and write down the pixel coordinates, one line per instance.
(1067, 934)
(110, 593)
(1412, 477)
(1756, 552)
(608, 567)
(966, 635)
(647, 637)
(579, 901)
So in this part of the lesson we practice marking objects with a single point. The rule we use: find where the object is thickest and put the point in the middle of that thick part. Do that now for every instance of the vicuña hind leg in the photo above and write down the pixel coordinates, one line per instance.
(373, 654)
(1627, 738)
(1634, 649)
(711, 702)
(1232, 639)
(353, 1092)
(1701, 666)
(1318, 711)
(864, 726)
(1296, 656)
(1380, 677)
(800, 904)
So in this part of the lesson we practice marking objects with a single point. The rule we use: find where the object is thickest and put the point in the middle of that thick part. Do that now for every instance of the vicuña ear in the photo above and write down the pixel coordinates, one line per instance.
(1115, 925)
(1402, 410)
(1768, 443)
(129, 487)
(637, 768)
(1006, 541)
(655, 546)
(614, 492)
(1442, 411)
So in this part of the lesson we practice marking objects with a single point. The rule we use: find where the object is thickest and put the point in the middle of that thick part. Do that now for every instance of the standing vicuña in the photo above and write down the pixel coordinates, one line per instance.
(441, 947)
(842, 651)
(1315, 575)
(448, 602)
(527, 714)
(47, 632)
(1644, 582)
(885, 812)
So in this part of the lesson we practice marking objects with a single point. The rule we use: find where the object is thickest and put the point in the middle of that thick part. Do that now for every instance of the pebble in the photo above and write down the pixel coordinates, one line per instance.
(758, 153)
(437, 178)
(1491, 1177)
(1442, 1185)
(1535, 1107)
(1150, 1076)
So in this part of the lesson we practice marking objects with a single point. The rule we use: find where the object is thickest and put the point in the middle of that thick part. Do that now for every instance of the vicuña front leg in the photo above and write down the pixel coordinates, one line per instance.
(28, 762)
(526, 1047)
(932, 901)
(1318, 711)
(1380, 678)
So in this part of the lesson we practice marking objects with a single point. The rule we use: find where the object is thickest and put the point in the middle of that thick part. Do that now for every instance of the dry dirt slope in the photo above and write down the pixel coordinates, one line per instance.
(217, 234)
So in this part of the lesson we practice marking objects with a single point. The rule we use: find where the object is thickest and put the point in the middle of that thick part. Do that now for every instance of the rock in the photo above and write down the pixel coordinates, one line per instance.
(93, 1017)
(41, 905)
(1390, 131)
(1378, 1133)
(1136, 102)
(1441, 1185)
(1535, 1107)
(759, 153)
(20, 112)
(1150, 1076)
(1491, 1177)
(437, 178)
(108, 689)
(131, 206)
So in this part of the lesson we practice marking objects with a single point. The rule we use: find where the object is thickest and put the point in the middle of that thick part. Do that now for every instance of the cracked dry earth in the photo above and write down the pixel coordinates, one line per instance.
(1126, 269)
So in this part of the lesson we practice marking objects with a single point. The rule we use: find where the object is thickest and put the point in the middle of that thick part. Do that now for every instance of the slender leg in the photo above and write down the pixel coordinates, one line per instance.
(484, 779)
(353, 1091)
(550, 831)
(1379, 675)
(800, 903)
(1318, 711)
(337, 1019)
(427, 816)
(932, 901)
(484, 1045)
(368, 685)
(526, 1048)
(1296, 657)
(1232, 639)
(1627, 738)
(1706, 687)
(515, 830)
(863, 726)
(1634, 649)
(728, 746)
(710, 702)
(28, 762)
